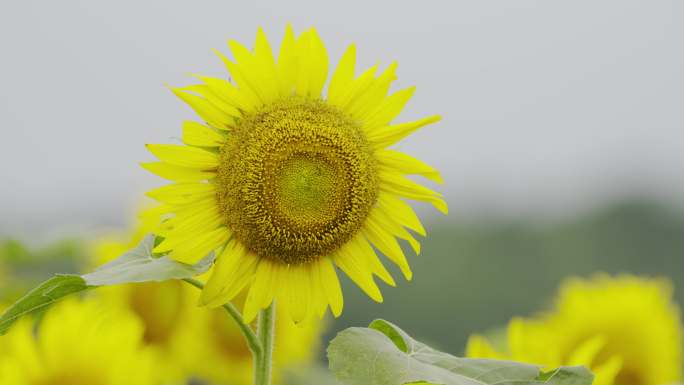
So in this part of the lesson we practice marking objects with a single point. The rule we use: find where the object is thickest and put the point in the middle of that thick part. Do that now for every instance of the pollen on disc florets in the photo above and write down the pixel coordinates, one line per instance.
(296, 180)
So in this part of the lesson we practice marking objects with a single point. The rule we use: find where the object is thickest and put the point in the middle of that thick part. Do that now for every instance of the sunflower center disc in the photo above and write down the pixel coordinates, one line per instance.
(296, 180)
(308, 190)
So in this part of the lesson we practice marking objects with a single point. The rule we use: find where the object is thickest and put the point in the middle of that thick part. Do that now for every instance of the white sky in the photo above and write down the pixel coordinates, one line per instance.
(549, 106)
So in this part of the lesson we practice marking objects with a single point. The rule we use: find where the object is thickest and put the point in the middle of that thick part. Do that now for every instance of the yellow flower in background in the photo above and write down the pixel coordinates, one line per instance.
(77, 343)
(221, 356)
(532, 341)
(636, 319)
(287, 182)
(626, 329)
(192, 342)
(162, 307)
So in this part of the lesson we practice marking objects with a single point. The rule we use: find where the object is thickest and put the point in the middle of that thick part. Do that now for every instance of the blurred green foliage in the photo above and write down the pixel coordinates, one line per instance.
(469, 277)
(28, 265)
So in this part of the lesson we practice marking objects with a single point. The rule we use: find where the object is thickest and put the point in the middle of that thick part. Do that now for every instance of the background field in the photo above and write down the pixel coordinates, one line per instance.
(474, 277)
(562, 142)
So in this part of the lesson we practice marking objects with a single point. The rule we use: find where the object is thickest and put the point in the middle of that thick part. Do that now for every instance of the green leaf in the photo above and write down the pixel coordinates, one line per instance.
(383, 354)
(137, 265)
(141, 265)
(41, 297)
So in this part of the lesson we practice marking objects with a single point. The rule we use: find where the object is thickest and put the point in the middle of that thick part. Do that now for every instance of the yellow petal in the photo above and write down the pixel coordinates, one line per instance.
(331, 285)
(361, 248)
(197, 248)
(180, 193)
(267, 65)
(401, 211)
(606, 372)
(287, 63)
(312, 64)
(184, 156)
(385, 220)
(189, 223)
(389, 109)
(263, 51)
(245, 61)
(233, 270)
(177, 173)
(228, 92)
(371, 99)
(302, 48)
(407, 164)
(390, 135)
(215, 100)
(395, 183)
(318, 298)
(388, 245)
(356, 88)
(214, 116)
(344, 75)
(245, 88)
(259, 76)
(479, 347)
(178, 231)
(196, 134)
(155, 214)
(317, 60)
(299, 291)
(587, 351)
(357, 269)
(260, 293)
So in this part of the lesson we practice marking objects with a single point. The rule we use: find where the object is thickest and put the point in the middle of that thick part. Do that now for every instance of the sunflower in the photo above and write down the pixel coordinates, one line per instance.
(626, 329)
(221, 356)
(77, 343)
(286, 183)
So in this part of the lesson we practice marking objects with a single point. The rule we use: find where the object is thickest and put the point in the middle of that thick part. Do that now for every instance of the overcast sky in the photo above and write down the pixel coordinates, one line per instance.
(549, 106)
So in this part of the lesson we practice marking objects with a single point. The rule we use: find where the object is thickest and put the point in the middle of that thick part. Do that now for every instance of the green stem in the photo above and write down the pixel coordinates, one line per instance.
(253, 342)
(266, 334)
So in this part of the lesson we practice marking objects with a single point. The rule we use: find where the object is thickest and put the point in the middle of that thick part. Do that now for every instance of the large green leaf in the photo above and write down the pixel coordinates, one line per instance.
(137, 265)
(383, 354)
(141, 265)
(41, 297)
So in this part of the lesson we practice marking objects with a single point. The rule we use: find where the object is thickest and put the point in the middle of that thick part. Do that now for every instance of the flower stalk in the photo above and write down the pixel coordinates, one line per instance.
(263, 363)
(261, 343)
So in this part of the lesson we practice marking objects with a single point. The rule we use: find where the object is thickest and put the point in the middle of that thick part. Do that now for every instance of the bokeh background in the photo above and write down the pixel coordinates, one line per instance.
(562, 143)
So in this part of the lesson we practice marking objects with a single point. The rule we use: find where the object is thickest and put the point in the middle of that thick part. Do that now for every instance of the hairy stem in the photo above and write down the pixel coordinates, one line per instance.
(266, 335)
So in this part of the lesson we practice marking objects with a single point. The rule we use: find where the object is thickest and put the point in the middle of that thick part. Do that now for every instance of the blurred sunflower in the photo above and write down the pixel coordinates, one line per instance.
(162, 307)
(287, 183)
(77, 343)
(626, 329)
(188, 341)
(221, 356)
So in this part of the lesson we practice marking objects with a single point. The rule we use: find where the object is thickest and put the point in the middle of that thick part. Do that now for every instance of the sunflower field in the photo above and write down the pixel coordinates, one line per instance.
(290, 232)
